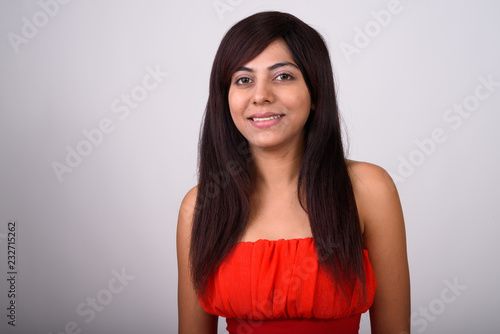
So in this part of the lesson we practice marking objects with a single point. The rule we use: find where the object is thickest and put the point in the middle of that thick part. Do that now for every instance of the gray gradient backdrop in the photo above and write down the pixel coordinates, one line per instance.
(98, 146)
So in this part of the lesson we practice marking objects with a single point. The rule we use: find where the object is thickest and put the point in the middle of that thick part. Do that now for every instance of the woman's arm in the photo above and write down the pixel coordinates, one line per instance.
(384, 236)
(192, 317)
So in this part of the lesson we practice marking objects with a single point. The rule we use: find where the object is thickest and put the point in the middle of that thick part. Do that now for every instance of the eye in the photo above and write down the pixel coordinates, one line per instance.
(284, 77)
(243, 81)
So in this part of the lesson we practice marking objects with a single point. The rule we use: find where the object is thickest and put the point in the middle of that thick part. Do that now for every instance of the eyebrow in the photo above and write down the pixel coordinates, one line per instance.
(270, 68)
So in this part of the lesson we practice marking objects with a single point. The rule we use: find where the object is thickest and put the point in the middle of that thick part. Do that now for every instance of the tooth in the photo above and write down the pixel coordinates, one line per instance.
(256, 119)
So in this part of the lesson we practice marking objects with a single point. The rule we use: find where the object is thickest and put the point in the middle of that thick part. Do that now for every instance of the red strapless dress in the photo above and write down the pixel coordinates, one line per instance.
(278, 286)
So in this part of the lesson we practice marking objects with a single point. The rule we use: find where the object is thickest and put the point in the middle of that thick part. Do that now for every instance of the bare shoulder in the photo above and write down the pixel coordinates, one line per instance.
(189, 199)
(192, 317)
(185, 223)
(368, 177)
(384, 237)
(186, 212)
(374, 190)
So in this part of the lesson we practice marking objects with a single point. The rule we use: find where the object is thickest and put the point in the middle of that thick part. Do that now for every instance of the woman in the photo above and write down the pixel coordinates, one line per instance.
(283, 234)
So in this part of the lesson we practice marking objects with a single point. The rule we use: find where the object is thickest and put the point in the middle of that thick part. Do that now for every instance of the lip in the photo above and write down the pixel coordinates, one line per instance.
(265, 124)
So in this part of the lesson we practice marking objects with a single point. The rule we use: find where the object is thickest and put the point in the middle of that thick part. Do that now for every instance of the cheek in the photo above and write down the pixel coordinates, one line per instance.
(300, 101)
(234, 102)
(237, 107)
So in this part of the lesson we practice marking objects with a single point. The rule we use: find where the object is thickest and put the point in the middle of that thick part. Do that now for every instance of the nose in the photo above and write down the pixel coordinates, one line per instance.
(263, 93)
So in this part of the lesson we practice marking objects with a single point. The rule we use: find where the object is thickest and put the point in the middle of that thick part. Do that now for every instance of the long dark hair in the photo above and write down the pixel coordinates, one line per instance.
(226, 171)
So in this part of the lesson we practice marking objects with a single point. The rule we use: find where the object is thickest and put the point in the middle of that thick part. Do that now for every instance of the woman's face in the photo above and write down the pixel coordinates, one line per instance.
(269, 99)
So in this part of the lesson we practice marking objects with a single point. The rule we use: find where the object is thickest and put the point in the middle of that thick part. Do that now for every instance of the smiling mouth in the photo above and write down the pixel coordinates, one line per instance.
(262, 119)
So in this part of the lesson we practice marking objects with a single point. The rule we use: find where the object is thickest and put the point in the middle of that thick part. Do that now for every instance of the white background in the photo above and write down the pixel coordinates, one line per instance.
(117, 209)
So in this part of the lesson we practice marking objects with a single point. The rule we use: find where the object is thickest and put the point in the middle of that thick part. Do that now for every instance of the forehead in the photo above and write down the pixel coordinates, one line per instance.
(276, 51)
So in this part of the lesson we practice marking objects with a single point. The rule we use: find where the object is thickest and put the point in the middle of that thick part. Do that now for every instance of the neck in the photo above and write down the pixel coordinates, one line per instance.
(279, 167)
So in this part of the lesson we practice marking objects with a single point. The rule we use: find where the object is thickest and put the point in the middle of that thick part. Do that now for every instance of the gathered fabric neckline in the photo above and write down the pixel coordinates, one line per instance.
(274, 240)
(283, 279)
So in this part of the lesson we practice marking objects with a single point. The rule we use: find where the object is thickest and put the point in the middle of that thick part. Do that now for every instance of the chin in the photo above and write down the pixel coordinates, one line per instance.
(267, 144)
